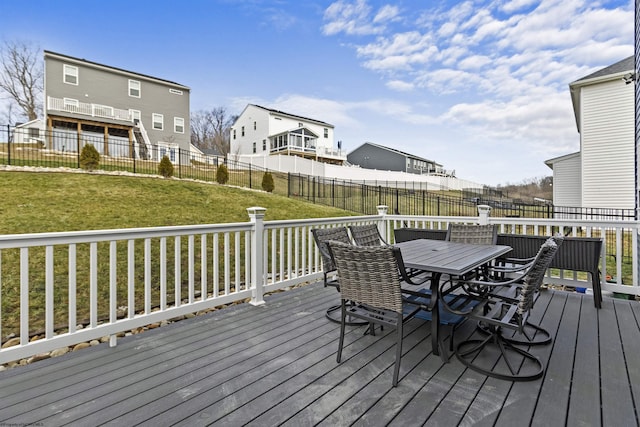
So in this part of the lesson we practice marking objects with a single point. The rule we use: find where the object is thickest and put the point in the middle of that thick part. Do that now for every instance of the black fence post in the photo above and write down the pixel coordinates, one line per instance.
(9, 144)
(250, 181)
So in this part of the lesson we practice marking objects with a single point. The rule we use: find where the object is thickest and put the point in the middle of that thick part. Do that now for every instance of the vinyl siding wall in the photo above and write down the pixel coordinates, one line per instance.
(607, 139)
(567, 188)
(268, 123)
(106, 86)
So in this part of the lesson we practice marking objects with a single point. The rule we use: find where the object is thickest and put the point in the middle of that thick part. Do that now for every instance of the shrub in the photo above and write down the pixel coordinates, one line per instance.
(222, 174)
(165, 167)
(89, 158)
(267, 182)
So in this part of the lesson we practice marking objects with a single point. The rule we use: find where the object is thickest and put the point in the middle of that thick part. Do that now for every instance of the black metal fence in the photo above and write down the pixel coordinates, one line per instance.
(62, 148)
(363, 198)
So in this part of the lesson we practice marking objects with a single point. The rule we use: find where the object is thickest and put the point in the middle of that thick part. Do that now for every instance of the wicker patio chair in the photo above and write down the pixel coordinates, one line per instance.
(369, 278)
(321, 237)
(497, 314)
(472, 233)
(367, 235)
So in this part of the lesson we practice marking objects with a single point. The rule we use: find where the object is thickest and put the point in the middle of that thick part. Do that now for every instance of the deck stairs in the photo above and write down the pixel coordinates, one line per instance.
(142, 139)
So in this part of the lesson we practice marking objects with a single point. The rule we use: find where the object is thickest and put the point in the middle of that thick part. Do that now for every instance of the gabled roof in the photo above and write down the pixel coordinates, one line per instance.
(120, 70)
(293, 116)
(393, 150)
(623, 66)
(562, 158)
(612, 72)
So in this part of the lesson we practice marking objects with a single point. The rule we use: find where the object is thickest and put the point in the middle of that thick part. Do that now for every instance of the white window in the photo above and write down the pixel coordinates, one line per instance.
(136, 116)
(326, 133)
(158, 121)
(70, 74)
(134, 88)
(178, 125)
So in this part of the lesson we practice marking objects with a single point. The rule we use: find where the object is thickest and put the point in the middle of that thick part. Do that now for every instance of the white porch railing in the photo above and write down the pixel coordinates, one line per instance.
(94, 284)
(86, 109)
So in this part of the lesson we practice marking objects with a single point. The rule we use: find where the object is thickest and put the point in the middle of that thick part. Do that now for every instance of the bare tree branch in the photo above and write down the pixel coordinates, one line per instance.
(210, 129)
(22, 76)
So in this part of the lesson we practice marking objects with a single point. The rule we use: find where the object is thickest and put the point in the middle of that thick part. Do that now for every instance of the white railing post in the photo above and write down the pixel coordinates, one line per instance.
(483, 214)
(256, 215)
(382, 225)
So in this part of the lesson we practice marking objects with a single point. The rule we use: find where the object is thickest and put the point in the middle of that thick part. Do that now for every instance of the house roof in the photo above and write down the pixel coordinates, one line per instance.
(121, 70)
(555, 160)
(293, 116)
(612, 72)
(623, 66)
(393, 150)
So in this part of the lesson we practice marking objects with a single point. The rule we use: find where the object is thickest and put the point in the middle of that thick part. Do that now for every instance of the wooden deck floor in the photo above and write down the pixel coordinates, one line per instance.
(275, 364)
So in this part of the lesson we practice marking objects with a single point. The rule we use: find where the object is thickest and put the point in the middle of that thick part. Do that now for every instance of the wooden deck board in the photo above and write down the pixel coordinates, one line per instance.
(275, 364)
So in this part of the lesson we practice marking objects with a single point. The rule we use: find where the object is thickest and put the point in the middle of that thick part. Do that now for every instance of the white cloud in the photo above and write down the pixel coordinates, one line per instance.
(400, 86)
(497, 71)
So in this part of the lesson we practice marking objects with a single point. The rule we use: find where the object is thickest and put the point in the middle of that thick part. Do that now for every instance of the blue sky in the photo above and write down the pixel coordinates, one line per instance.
(480, 87)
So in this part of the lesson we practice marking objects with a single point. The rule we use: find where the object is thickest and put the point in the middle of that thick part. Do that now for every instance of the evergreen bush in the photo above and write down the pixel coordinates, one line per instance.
(267, 182)
(89, 158)
(165, 167)
(222, 174)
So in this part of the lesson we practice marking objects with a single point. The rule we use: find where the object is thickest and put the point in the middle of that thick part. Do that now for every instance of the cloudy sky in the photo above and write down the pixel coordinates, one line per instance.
(480, 87)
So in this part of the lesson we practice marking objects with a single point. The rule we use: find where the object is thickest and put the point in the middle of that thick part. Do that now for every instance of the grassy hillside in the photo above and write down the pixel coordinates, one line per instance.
(34, 202)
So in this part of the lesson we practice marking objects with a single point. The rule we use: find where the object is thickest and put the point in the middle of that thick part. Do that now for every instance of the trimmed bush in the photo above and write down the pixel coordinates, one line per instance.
(267, 182)
(89, 158)
(165, 167)
(222, 174)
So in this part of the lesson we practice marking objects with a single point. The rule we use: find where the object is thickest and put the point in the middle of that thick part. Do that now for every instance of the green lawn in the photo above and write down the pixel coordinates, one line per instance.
(35, 202)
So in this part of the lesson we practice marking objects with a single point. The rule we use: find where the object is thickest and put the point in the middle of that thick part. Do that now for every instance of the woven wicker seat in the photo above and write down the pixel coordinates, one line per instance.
(474, 234)
(509, 290)
(366, 235)
(321, 237)
(497, 314)
(369, 278)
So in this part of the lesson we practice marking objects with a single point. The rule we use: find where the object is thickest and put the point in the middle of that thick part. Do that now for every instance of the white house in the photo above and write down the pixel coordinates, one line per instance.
(260, 131)
(602, 173)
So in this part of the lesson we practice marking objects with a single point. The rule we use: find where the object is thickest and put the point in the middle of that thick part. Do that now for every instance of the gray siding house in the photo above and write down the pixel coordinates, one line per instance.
(120, 112)
(374, 156)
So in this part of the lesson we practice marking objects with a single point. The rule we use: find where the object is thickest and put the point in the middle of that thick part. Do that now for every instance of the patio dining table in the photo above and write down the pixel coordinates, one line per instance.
(442, 257)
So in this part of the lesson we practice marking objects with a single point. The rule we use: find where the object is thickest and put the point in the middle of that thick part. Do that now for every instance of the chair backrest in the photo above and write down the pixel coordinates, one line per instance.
(366, 235)
(369, 275)
(474, 234)
(406, 234)
(535, 274)
(322, 236)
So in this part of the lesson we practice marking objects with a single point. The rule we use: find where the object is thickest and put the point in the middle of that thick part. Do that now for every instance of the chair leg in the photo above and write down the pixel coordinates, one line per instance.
(342, 328)
(527, 368)
(532, 334)
(399, 332)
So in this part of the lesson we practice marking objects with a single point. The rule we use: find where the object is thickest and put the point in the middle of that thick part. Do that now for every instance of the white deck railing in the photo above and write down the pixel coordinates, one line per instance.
(95, 284)
(87, 109)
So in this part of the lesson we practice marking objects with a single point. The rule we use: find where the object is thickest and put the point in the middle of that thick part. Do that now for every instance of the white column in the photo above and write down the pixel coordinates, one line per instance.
(256, 216)
(483, 214)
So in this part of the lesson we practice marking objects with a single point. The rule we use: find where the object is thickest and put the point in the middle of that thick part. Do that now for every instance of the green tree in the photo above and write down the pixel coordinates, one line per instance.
(89, 158)
(222, 174)
(267, 182)
(165, 167)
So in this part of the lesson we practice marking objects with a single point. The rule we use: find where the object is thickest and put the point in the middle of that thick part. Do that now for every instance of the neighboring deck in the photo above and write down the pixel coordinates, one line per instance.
(275, 364)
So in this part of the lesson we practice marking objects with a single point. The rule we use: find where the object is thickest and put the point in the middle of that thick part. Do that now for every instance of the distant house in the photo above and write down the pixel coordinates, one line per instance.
(602, 173)
(121, 112)
(374, 156)
(261, 131)
(31, 132)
